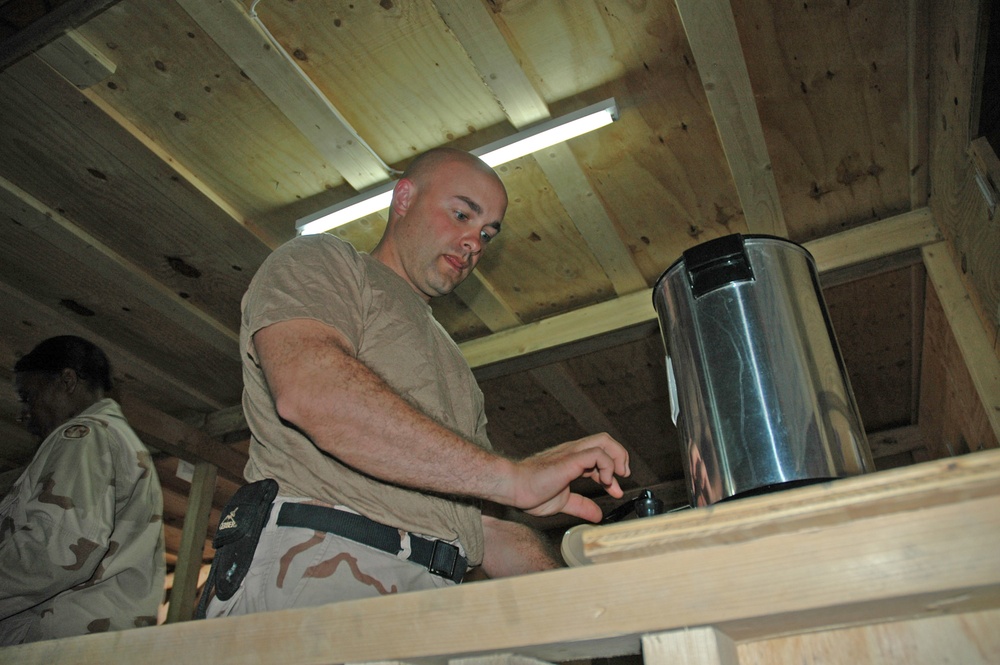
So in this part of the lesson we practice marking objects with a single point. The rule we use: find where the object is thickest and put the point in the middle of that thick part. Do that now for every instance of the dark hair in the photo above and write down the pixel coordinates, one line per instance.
(68, 351)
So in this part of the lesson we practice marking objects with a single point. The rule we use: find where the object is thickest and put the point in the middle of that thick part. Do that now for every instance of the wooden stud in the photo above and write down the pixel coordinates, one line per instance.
(189, 558)
(969, 331)
(691, 646)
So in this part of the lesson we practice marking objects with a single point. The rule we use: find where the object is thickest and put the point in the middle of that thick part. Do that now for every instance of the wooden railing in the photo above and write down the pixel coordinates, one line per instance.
(903, 562)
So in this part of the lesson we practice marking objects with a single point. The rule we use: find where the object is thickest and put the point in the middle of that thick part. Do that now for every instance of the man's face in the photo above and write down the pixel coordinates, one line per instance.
(449, 218)
(43, 401)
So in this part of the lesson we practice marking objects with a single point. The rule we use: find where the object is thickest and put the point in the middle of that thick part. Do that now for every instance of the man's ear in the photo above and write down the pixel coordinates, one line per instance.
(68, 379)
(402, 195)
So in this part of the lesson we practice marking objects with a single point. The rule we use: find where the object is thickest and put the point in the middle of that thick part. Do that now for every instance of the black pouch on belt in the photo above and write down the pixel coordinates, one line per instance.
(236, 538)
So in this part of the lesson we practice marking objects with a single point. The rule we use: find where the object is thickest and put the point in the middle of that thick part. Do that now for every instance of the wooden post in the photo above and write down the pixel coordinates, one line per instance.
(692, 646)
(970, 334)
(189, 558)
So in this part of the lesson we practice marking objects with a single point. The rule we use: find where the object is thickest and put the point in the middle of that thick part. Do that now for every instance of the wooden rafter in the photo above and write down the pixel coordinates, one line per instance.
(228, 23)
(711, 32)
(501, 72)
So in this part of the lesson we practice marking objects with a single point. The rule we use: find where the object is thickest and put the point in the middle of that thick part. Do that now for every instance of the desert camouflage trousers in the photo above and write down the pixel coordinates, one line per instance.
(300, 567)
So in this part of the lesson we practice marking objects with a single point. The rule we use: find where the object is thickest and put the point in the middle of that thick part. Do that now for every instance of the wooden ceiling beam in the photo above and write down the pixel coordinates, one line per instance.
(484, 301)
(866, 243)
(289, 89)
(489, 51)
(54, 20)
(711, 32)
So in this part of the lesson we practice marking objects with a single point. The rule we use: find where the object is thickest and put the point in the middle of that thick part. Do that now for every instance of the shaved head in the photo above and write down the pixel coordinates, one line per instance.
(424, 166)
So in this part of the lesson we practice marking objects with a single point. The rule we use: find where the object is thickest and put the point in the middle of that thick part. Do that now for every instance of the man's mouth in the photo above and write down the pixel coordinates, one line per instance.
(458, 264)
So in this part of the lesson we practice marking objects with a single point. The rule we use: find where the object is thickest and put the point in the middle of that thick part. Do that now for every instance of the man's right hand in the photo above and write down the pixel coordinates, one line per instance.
(541, 482)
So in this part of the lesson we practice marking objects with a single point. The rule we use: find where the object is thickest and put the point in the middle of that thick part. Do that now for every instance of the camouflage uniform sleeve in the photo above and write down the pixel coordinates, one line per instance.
(56, 524)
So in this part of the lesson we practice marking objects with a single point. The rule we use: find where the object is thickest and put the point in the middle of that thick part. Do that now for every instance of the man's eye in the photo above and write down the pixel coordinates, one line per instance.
(461, 216)
(485, 236)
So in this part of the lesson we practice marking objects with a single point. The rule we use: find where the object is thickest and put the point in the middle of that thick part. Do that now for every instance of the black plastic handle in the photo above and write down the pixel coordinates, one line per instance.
(717, 263)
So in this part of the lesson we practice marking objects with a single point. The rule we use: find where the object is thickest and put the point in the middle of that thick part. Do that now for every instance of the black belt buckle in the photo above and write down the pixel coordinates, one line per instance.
(444, 556)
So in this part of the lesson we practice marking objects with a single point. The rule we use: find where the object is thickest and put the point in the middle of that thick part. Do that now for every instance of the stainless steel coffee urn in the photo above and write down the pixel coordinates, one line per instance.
(759, 391)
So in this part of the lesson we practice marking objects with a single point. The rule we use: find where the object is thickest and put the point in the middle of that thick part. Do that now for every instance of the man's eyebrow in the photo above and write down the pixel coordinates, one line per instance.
(476, 208)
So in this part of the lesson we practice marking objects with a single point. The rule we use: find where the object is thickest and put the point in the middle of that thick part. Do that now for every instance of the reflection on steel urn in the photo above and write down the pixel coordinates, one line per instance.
(758, 388)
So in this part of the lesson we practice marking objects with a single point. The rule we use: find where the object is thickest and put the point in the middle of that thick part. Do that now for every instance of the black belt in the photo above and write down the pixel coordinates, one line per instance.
(439, 557)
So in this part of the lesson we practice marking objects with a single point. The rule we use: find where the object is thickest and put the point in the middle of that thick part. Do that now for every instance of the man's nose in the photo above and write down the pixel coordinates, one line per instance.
(473, 242)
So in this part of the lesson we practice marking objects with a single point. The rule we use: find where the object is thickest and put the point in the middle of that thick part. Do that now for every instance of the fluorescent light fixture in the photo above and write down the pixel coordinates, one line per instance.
(527, 141)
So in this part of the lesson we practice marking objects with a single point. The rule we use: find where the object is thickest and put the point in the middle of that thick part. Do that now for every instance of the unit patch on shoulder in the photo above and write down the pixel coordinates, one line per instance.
(76, 432)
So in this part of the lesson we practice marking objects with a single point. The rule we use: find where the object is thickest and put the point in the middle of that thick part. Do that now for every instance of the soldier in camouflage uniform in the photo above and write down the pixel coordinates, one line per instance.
(81, 532)
(364, 411)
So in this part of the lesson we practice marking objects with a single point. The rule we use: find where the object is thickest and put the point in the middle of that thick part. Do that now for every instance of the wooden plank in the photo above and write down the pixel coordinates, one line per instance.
(77, 60)
(272, 70)
(52, 227)
(957, 199)
(182, 440)
(498, 659)
(952, 417)
(182, 171)
(50, 26)
(711, 32)
(189, 557)
(484, 301)
(899, 440)
(947, 481)
(866, 243)
(628, 310)
(977, 350)
(969, 638)
(172, 536)
(894, 566)
(496, 63)
(693, 646)
(876, 240)
(82, 162)
(595, 225)
(918, 304)
(918, 98)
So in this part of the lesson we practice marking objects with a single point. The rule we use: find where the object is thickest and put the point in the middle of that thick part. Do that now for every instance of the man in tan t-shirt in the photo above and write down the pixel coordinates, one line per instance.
(364, 411)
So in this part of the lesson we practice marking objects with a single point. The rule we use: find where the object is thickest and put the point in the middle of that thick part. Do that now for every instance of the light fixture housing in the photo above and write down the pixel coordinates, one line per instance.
(535, 138)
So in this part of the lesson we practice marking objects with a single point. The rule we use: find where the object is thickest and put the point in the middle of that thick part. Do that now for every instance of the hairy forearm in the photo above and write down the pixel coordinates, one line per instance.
(515, 549)
(375, 430)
